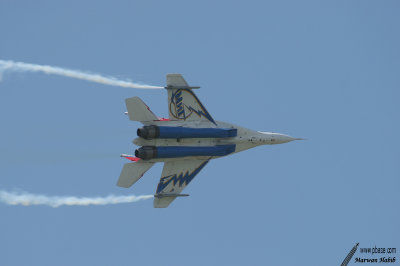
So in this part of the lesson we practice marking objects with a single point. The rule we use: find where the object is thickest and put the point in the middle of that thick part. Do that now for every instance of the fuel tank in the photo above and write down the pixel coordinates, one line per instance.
(153, 152)
(154, 132)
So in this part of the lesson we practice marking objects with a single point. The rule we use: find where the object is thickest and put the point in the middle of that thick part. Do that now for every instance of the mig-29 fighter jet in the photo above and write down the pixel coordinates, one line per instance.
(185, 142)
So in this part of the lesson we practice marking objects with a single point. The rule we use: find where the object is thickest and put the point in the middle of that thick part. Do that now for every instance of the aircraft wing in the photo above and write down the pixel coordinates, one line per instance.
(175, 177)
(183, 104)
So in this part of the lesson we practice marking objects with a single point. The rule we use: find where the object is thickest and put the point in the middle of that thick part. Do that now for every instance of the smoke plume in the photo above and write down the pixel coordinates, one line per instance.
(28, 199)
(20, 66)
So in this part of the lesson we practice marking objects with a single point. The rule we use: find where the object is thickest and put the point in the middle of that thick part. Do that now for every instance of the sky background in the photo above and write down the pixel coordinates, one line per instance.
(327, 71)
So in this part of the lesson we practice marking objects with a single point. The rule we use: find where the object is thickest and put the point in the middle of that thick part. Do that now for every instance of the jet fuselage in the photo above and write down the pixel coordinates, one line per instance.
(244, 139)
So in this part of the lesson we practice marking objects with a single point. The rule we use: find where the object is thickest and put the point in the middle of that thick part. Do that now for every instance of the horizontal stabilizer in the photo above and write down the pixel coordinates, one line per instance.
(138, 110)
(132, 172)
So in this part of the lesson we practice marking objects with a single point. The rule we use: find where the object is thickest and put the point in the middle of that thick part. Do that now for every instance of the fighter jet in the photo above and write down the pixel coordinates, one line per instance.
(185, 142)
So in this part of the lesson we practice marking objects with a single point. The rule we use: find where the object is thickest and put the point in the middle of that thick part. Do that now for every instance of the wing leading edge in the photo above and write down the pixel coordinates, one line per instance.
(175, 177)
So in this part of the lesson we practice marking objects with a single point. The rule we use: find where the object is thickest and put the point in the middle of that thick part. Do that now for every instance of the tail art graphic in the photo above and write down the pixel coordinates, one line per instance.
(181, 178)
(184, 103)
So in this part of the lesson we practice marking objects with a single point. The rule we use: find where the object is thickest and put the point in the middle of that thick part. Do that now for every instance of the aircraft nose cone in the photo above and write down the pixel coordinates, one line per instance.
(281, 138)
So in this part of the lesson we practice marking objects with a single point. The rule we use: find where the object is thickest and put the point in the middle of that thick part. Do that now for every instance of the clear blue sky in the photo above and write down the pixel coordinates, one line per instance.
(327, 71)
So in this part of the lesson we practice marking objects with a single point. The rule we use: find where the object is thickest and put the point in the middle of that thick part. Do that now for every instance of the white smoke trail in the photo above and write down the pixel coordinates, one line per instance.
(28, 199)
(20, 66)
